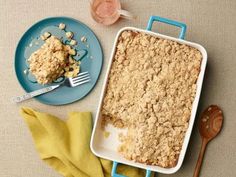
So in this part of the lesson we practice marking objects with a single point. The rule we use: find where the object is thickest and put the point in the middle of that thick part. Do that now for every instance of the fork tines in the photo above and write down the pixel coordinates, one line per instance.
(80, 79)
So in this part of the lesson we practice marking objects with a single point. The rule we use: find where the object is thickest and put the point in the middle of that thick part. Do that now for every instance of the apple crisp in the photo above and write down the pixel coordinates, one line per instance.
(150, 91)
(53, 60)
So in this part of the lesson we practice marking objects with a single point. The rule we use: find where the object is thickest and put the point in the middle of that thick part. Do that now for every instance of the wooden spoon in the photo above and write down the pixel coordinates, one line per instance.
(209, 126)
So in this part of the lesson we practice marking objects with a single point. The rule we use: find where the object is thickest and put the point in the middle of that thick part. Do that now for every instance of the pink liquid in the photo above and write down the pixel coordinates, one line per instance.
(106, 9)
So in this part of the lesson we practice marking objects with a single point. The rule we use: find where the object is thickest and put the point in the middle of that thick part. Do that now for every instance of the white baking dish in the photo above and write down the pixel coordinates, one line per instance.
(107, 147)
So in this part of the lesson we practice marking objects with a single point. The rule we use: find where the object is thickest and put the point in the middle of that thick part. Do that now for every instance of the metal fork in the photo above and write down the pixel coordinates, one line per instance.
(80, 79)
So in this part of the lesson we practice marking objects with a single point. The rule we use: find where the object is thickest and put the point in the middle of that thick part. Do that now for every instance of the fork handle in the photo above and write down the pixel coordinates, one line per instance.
(34, 93)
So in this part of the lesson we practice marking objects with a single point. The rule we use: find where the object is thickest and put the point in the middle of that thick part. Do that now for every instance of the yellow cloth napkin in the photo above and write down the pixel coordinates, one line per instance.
(64, 145)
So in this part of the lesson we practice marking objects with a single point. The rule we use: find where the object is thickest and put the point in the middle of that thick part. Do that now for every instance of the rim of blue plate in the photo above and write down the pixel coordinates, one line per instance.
(23, 36)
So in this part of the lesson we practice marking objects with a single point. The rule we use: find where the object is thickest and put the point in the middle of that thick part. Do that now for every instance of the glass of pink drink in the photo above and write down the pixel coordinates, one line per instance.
(107, 12)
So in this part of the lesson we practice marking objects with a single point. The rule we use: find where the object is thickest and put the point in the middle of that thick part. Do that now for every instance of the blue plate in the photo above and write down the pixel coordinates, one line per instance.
(91, 58)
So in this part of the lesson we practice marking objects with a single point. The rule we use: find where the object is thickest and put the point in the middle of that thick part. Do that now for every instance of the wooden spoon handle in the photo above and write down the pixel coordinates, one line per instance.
(200, 158)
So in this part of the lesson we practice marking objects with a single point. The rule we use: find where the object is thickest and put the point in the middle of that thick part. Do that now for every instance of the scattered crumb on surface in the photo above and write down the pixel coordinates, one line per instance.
(62, 26)
(73, 42)
(69, 35)
(83, 39)
(45, 36)
(106, 134)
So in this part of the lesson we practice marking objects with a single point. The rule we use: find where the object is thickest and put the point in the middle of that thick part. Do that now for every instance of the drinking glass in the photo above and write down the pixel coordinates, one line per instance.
(108, 12)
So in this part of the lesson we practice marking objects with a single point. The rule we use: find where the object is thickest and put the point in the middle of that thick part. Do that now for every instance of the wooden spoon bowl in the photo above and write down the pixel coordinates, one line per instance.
(211, 122)
(209, 126)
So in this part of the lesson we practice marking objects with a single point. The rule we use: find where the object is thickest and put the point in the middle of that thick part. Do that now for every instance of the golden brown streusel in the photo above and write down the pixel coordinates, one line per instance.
(52, 61)
(150, 91)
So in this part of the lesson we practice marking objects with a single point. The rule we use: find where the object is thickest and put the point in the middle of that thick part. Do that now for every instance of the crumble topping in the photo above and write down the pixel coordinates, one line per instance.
(150, 91)
(52, 61)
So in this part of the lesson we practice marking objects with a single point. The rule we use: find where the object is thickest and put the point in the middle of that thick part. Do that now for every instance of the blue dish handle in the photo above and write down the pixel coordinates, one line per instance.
(167, 21)
(114, 174)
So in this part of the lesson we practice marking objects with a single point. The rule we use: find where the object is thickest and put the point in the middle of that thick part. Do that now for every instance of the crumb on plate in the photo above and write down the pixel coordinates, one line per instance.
(45, 36)
(25, 71)
(83, 39)
(69, 35)
(73, 42)
(62, 26)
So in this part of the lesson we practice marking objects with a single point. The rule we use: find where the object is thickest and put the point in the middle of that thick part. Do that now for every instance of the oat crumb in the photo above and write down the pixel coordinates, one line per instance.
(83, 39)
(45, 36)
(69, 35)
(62, 26)
(106, 134)
(73, 42)
(150, 91)
(50, 61)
